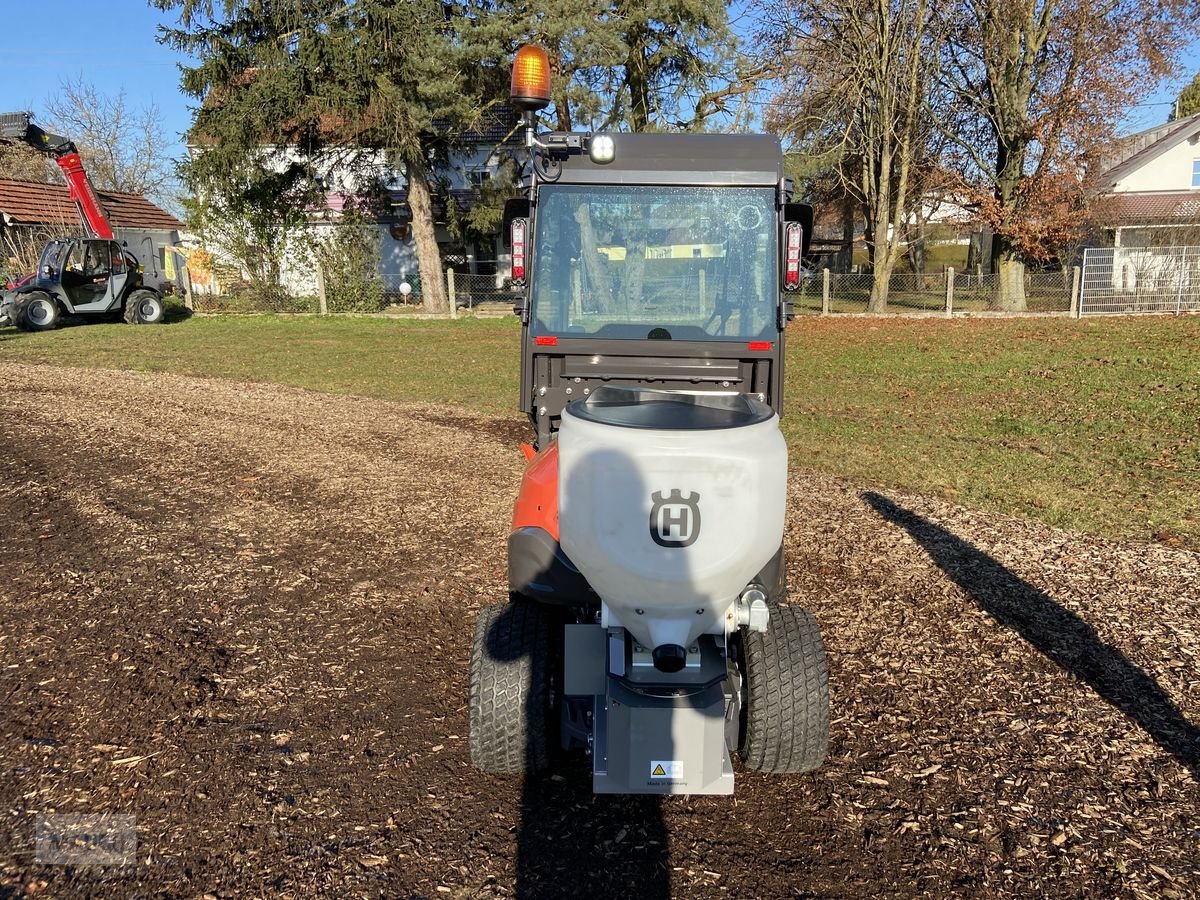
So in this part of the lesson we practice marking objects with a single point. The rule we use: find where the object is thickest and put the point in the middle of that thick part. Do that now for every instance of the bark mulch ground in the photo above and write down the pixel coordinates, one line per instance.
(242, 614)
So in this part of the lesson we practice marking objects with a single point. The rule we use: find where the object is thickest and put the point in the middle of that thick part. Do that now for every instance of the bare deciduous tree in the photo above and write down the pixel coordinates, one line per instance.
(23, 163)
(855, 99)
(1041, 85)
(123, 148)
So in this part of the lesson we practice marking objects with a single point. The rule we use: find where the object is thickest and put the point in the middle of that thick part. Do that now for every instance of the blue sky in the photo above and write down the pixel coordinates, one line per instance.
(113, 46)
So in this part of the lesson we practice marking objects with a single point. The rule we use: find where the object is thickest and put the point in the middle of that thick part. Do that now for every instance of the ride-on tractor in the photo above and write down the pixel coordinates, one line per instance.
(92, 275)
(647, 622)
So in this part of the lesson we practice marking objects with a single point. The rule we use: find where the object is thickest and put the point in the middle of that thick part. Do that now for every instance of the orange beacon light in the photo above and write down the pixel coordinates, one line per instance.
(531, 78)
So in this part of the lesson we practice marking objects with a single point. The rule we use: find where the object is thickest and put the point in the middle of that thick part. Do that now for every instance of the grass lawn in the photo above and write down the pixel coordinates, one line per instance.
(1087, 424)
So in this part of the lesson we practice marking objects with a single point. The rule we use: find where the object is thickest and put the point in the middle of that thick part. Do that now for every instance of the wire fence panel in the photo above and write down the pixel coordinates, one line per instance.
(1045, 292)
(807, 300)
(485, 293)
(849, 293)
(242, 297)
(821, 292)
(910, 293)
(1125, 280)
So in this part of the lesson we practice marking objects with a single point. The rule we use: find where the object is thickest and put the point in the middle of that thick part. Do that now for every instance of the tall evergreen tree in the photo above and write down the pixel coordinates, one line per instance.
(327, 80)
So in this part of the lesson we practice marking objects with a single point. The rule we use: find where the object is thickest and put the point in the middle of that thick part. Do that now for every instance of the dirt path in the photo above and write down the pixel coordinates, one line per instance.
(264, 599)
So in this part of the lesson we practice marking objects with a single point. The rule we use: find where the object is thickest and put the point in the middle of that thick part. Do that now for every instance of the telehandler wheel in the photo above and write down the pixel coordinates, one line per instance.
(143, 308)
(510, 702)
(787, 695)
(35, 311)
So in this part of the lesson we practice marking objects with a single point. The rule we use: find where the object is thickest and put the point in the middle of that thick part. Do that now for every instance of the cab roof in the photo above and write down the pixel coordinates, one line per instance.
(685, 159)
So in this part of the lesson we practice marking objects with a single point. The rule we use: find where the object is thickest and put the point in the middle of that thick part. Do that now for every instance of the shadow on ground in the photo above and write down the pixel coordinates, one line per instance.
(1056, 632)
(574, 844)
(571, 843)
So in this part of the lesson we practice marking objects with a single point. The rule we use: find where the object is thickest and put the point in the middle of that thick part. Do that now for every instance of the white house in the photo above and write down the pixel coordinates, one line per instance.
(1147, 201)
(1149, 186)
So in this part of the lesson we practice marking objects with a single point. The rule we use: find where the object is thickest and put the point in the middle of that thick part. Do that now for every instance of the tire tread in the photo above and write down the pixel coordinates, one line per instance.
(787, 695)
(509, 702)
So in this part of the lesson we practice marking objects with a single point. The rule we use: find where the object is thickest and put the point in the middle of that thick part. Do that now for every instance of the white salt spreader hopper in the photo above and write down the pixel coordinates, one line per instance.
(647, 622)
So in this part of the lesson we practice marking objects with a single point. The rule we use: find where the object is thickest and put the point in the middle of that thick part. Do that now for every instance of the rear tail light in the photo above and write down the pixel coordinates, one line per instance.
(519, 227)
(794, 242)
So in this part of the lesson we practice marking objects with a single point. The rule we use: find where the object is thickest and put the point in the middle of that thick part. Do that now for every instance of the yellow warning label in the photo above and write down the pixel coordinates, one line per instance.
(659, 771)
(671, 769)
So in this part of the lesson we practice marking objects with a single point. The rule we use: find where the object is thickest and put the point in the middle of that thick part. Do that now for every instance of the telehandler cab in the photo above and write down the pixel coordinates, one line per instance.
(647, 622)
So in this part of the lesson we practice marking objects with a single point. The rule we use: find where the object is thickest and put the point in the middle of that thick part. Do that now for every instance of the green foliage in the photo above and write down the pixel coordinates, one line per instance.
(349, 261)
(1188, 102)
(250, 211)
(485, 217)
(339, 84)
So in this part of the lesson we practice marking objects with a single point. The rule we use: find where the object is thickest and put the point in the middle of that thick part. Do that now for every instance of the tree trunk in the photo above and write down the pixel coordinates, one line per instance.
(429, 258)
(886, 259)
(880, 279)
(637, 77)
(558, 94)
(916, 246)
(1010, 269)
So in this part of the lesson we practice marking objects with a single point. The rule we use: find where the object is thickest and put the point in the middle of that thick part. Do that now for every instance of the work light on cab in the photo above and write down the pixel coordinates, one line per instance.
(602, 149)
(531, 78)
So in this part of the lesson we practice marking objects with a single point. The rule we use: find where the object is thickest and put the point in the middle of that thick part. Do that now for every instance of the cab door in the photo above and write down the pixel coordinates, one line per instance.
(121, 273)
(87, 274)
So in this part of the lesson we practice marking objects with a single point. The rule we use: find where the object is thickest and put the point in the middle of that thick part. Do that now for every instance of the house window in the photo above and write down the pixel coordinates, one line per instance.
(1196, 173)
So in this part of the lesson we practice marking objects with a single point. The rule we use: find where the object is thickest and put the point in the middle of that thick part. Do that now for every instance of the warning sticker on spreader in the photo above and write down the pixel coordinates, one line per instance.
(667, 769)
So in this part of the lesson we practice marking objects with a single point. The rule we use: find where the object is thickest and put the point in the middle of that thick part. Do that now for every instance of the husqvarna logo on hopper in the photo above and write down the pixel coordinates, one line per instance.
(675, 520)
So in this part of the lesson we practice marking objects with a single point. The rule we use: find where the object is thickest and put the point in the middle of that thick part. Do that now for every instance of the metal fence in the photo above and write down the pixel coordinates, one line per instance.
(481, 294)
(1113, 281)
(944, 293)
(1125, 280)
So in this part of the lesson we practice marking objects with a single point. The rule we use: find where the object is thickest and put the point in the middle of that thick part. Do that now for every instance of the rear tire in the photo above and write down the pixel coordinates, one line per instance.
(36, 311)
(143, 307)
(787, 695)
(510, 688)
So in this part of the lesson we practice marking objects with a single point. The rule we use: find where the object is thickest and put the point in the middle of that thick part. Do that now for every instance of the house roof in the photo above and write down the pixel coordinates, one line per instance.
(1134, 151)
(1153, 206)
(35, 203)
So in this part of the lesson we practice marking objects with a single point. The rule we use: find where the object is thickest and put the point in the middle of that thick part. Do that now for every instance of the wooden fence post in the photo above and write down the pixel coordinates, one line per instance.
(450, 293)
(950, 292)
(825, 291)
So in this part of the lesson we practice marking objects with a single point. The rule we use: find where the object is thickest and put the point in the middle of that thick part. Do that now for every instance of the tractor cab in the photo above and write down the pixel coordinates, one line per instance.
(87, 274)
(654, 260)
